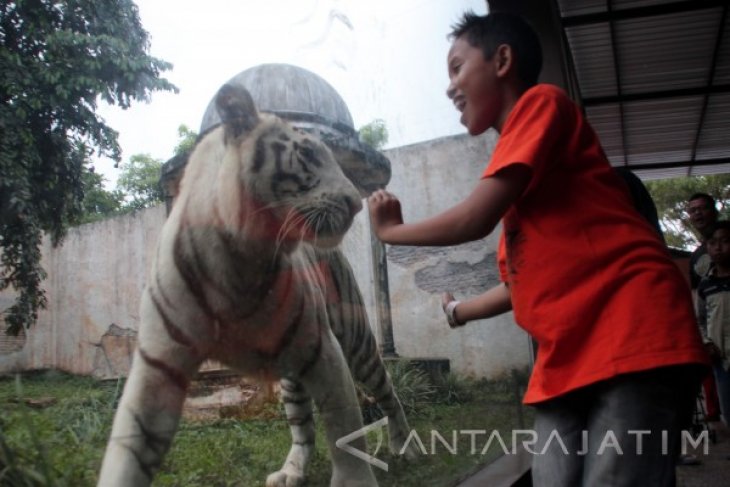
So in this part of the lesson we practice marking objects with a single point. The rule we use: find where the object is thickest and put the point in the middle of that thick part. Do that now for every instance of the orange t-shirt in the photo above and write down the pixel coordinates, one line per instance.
(590, 279)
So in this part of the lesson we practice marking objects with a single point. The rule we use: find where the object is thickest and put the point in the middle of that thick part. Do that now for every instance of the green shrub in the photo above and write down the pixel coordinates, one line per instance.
(412, 385)
(455, 389)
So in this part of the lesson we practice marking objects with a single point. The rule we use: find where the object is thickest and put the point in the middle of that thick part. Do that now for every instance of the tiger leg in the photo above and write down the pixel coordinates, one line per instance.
(366, 364)
(349, 322)
(368, 368)
(298, 408)
(145, 422)
(330, 384)
(151, 404)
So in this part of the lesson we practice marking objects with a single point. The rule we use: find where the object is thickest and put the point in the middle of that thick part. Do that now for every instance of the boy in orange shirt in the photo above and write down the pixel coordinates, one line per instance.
(619, 352)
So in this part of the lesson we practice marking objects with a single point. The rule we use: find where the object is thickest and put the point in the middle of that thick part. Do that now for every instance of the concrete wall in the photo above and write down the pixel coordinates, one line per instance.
(94, 282)
(96, 277)
(428, 178)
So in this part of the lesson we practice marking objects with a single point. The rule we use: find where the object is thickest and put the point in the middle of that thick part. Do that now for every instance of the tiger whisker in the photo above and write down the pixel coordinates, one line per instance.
(318, 222)
(307, 215)
(293, 217)
(312, 221)
(282, 233)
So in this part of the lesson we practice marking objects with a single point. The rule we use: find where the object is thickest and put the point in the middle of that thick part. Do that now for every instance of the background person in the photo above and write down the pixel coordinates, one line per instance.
(713, 310)
(703, 214)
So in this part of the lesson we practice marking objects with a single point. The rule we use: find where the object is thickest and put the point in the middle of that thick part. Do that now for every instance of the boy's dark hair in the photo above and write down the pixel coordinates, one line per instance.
(720, 225)
(709, 200)
(490, 31)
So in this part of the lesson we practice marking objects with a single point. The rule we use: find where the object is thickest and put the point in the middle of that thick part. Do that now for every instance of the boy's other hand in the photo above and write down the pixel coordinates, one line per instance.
(448, 304)
(385, 212)
(446, 298)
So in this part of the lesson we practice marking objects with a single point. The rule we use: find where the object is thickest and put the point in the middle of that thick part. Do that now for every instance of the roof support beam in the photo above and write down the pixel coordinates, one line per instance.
(710, 77)
(617, 73)
(632, 13)
(680, 164)
(656, 95)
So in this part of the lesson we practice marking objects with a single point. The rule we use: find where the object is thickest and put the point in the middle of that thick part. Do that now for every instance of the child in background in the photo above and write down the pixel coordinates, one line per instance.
(713, 311)
(619, 350)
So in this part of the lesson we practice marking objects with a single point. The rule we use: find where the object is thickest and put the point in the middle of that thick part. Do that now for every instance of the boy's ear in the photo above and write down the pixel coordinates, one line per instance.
(504, 59)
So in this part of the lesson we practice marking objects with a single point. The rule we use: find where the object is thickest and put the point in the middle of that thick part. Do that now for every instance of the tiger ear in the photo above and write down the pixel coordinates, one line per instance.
(236, 109)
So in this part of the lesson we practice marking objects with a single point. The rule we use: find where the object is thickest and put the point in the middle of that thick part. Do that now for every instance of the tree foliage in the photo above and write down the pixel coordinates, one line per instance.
(139, 182)
(187, 140)
(98, 202)
(375, 134)
(670, 197)
(137, 186)
(57, 59)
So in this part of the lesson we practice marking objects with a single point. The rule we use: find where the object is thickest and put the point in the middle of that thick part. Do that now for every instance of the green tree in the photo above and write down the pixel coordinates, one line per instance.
(187, 141)
(58, 58)
(670, 197)
(375, 134)
(137, 187)
(139, 182)
(98, 203)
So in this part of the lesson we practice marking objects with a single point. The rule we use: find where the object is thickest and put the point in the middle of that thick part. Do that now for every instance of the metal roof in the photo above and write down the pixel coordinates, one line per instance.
(654, 78)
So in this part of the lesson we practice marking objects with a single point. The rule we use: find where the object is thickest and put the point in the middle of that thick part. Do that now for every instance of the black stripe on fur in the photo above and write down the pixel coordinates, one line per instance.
(172, 330)
(176, 377)
(190, 275)
(300, 420)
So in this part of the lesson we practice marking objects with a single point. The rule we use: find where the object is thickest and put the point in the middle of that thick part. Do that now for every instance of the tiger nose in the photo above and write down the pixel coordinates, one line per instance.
(354, 204)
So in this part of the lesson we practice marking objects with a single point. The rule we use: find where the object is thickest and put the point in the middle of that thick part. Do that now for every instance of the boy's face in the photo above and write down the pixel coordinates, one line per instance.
(718, 246)
(473, 87)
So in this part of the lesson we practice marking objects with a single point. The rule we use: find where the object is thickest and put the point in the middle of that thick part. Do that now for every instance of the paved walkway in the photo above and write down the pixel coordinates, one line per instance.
(714, 469)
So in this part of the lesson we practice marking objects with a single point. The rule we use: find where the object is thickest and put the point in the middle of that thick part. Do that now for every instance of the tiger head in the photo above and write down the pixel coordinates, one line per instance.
(286, 182)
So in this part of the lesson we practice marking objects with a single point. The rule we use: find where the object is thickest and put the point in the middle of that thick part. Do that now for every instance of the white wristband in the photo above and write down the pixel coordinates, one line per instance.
(450, 316)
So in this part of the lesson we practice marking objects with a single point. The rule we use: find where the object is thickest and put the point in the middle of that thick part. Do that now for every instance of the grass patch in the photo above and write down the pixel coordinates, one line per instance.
(54, 428)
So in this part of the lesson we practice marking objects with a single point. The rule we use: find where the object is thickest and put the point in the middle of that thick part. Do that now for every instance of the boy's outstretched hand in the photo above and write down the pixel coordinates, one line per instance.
(385, 212)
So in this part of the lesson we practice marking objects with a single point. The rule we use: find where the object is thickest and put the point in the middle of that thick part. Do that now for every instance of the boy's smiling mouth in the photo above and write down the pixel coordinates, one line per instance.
(459, 103)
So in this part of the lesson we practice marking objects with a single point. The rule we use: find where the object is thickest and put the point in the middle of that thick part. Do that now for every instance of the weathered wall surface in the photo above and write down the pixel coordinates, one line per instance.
(96, 277)
(94, 283)
(428, 178)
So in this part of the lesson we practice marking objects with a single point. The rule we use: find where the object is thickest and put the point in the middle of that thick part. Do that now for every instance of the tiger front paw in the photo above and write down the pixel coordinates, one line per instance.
(284, 479)
(409, 451)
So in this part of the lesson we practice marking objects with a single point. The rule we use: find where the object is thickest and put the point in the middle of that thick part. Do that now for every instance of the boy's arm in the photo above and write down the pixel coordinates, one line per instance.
(473, 218)
(494, 302)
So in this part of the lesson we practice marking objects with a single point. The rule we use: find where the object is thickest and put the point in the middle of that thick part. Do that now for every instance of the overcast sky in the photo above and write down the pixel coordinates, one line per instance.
(386, 58)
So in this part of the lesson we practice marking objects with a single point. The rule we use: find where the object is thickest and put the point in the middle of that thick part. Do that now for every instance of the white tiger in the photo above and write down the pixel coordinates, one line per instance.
(247, 273)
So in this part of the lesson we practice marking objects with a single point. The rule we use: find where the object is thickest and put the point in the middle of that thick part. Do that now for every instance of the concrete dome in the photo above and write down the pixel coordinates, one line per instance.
(291, 92)
(309, 103)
